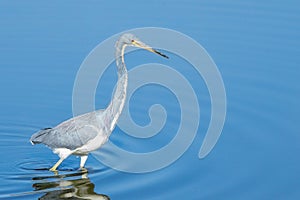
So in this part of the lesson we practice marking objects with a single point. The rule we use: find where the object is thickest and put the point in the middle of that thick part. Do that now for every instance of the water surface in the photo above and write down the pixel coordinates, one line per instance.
(254, 44)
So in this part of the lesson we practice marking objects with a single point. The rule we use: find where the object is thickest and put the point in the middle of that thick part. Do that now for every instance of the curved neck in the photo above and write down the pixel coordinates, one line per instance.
(116, 105)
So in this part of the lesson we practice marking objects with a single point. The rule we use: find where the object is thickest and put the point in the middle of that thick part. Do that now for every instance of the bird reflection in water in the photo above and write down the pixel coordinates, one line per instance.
(67, 186)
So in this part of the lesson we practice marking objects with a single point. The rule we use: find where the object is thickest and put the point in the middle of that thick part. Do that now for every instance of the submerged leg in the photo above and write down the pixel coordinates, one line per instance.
(56, 165)
(83, 160)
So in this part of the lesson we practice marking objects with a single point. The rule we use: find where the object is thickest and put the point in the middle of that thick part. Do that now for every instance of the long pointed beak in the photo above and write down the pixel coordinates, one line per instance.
(135, 43)
(157, 52)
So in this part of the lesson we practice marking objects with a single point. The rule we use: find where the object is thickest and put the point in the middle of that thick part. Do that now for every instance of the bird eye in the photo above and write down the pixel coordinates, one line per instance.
(132, 41)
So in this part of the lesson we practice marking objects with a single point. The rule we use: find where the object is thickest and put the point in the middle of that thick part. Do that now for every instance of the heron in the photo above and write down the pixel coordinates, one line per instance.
(85, 133)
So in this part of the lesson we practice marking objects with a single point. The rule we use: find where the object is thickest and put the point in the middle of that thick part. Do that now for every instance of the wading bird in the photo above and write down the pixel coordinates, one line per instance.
(85, 133)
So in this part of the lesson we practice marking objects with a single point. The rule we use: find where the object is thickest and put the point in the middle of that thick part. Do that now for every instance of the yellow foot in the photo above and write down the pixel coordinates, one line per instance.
(83, 169)
(53, 169)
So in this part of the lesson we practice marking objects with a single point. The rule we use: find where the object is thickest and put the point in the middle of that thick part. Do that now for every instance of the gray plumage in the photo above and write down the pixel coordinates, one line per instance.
(70, 134)
(88, 132)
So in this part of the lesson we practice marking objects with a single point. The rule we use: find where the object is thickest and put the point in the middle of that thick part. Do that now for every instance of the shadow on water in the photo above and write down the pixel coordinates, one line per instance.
(66, 186)
(26, 175)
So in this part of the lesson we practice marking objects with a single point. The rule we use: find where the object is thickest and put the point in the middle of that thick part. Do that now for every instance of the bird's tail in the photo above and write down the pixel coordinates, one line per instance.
(38, 137)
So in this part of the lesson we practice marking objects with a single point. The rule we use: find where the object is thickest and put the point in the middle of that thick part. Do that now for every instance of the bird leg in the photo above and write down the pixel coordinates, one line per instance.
(82, 161)
(53, 169)
(63, 153)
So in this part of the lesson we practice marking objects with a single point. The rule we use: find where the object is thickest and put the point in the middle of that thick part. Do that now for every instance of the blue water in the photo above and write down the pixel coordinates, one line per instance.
(255, 45)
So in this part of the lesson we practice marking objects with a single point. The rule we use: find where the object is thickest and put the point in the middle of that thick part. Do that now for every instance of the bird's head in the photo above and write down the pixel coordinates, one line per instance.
(132, 40)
